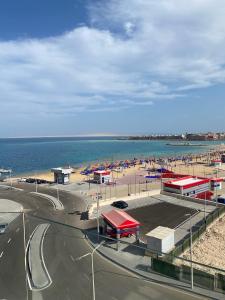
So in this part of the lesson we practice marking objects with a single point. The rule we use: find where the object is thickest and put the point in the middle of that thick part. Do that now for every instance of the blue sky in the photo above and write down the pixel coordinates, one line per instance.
(111, 67)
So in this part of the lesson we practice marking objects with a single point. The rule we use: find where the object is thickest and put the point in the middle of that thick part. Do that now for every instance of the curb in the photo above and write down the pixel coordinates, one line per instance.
(146, 277)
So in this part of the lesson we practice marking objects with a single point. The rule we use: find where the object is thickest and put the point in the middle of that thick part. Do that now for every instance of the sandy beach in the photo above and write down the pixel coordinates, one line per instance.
(198, 166)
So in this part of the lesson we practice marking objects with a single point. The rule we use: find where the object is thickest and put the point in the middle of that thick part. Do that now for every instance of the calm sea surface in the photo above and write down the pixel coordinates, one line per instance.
(39, 154)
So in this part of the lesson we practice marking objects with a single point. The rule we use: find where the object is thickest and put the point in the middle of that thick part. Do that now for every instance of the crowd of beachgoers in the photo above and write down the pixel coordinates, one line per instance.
(150, 162)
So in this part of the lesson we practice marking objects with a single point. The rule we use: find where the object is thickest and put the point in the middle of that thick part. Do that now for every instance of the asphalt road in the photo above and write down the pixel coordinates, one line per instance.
(71, 279)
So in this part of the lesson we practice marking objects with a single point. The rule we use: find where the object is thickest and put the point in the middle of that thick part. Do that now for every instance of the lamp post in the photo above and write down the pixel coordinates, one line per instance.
(10, 176)
(36, 188)
(98, 229)
(92, 266)
(57, 189)
(192, 277)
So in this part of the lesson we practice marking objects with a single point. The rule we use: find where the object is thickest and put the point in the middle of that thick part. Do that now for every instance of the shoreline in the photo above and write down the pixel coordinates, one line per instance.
(174, 162)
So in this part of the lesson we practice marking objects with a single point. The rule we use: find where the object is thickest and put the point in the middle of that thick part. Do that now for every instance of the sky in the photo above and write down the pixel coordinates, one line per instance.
(86, 67)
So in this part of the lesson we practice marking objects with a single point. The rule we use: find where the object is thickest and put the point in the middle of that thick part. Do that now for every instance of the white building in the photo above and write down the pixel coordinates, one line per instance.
(160, 239)
(5, 174)
(102, 176)
(216, 184)
(216, 163)
(188, 186)
(61, 175)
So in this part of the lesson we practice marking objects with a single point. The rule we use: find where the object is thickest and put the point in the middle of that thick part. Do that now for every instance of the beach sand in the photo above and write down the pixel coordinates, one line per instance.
(199, 166)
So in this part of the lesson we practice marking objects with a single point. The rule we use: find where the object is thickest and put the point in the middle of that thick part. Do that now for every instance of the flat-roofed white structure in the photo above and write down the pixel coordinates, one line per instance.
(160, 239)
(62, 175)
(5, 174)
(102, 176)
(216, 184)
(216, 163)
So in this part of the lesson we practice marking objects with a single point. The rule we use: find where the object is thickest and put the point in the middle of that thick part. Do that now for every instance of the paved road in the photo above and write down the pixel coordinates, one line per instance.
(62, 245)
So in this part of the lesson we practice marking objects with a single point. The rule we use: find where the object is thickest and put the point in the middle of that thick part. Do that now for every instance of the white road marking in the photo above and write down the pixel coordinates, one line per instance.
(72, 258)
(64, 243)
(17, 229)
(9, 240)
(1, 254)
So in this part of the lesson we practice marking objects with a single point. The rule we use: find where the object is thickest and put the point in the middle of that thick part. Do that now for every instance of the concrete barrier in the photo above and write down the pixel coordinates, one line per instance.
(55, 202)
(37, 273)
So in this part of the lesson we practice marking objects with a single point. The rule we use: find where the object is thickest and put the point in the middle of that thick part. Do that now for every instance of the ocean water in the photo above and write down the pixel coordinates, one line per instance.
(29, 155)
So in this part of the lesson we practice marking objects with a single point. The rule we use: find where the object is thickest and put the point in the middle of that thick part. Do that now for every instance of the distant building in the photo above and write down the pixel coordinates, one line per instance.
(61, 175)
(202, 136)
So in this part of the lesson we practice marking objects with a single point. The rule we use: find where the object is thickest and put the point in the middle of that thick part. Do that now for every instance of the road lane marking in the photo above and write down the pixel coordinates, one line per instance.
(1, 254)
(9, 240)
(72, 258)
(17, 229)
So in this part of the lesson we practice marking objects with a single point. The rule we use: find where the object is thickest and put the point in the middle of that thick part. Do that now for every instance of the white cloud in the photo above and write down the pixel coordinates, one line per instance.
(135, 52)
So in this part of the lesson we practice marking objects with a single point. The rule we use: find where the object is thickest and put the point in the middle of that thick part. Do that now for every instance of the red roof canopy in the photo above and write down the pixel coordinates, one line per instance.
(120, 219)
(103, 172)
(217, 179)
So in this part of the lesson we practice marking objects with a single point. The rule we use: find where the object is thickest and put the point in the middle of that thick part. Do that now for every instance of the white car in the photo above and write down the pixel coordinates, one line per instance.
(3, 228)
(22, 180)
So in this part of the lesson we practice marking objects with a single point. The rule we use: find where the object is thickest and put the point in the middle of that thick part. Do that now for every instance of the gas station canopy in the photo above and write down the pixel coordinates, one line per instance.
(120, 219)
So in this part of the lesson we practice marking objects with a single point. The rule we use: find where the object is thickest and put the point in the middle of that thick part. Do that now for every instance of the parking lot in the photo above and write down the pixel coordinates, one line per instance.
(160, 214)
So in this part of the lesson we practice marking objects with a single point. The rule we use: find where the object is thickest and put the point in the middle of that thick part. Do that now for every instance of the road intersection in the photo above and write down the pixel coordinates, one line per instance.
(63, 242)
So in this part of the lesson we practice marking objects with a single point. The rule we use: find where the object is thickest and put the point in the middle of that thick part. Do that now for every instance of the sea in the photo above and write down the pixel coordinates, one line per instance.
(31, 155)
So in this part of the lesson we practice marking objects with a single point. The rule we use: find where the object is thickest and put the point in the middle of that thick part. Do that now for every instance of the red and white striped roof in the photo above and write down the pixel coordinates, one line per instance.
(186, 182)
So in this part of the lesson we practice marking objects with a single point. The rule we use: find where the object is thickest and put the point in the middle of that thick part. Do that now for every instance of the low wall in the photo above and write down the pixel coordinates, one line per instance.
(183, 273)
(181, 197)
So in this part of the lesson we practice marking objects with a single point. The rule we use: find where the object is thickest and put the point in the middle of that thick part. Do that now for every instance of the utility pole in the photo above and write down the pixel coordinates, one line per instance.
(205, 207)
(36, 182)
(10, 177)
(97, 199)
(57, 189)
(192, 273)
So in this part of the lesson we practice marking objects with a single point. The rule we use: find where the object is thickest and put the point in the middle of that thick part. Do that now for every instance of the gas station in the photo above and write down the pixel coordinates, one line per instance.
(118, 224)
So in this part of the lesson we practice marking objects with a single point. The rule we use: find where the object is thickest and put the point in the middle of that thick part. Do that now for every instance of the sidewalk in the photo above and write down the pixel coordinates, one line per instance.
(133, 259)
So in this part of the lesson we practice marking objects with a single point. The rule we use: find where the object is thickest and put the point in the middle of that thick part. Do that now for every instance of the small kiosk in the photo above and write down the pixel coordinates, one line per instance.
(216, 163)
(223, 158)
(102, 176)
(160, 240)
(216, 184)
(5, 174)
(61, 175)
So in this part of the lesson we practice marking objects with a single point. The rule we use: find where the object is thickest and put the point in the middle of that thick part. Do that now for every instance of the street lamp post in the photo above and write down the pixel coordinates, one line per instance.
(98, 216)
(57, 190)
(10, 176)
(36, 188)
(92, 266)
